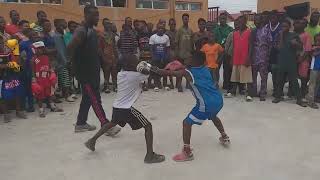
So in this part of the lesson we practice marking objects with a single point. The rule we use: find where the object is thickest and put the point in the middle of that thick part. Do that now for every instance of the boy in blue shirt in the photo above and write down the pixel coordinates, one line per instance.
(314, 74)
(209, 102)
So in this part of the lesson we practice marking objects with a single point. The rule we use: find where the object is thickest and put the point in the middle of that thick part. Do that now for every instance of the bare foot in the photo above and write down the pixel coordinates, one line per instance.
(90, 144)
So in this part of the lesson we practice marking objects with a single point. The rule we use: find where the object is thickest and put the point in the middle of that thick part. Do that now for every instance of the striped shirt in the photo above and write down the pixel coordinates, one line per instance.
(128, 43)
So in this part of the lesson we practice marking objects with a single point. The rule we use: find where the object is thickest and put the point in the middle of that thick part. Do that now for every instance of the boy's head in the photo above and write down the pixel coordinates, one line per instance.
(243, 22)
(160, 29)
(286, 25)
(38, 48)
(47, 26)
(130, 62)
(265, 17)
(72, 26)
(107, 24)
(212, 38)
(172, 24)
(314, 18)
(128, 21)
(258, 20)
(91, 14)
(317, 39)
(23, 24)
(299, 25)
(202, 24)
(223, 19)
(185, 19)
(198, 59)
(60, 25)
(41, 16)
(274, 19)
(14, 16)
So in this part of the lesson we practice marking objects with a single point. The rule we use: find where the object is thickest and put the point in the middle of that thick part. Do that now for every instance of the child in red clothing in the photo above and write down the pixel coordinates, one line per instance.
(44, 79)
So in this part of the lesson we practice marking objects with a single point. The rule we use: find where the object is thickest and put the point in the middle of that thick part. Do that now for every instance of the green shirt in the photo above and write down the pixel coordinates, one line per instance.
(313, 31)
(67, 37)
(184, 43)
(221, 33)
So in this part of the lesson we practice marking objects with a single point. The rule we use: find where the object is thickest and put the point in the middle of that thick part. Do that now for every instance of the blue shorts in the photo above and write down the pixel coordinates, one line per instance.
(198, 117)
(14, 89)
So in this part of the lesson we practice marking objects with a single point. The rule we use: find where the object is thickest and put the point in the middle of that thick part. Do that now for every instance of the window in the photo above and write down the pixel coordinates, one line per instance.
(185, 6)
(107, 3)
(34, 1)
(152, 4)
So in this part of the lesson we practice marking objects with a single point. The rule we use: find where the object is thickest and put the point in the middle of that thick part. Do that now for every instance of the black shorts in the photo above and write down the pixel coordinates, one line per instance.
(131, 116)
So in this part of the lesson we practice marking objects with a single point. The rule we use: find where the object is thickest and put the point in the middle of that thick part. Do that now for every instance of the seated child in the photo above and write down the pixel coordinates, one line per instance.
(209, 102)
(130, 80)
(44, 79)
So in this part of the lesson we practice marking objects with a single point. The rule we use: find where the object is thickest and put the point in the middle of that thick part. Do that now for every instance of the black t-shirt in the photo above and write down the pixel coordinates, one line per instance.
(87, 60)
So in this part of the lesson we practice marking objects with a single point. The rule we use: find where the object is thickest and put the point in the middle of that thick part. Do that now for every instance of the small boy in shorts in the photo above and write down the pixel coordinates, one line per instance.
(44, 78)
(209, 102)
(130, 80)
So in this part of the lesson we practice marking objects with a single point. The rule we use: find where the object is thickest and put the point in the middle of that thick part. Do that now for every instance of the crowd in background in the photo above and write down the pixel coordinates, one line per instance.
(35, 65)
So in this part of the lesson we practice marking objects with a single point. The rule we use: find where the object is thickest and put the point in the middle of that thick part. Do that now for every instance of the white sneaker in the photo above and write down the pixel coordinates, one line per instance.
(156, 89)
(249, 99)
(167, 88)
(228, 95)
(70, 99)
(73, 96)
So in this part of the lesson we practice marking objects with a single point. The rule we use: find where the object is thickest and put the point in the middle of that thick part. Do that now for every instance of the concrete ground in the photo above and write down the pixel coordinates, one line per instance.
(269, 142)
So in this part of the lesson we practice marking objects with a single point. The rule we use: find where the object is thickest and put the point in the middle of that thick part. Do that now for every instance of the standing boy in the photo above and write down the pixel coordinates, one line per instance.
(289, 45)
(209, 102)
(212, 51)
(184, 45)
(129, 89)
(314, 84)
(241, 70)
(261, 41)
(110, 56)
(160, 44)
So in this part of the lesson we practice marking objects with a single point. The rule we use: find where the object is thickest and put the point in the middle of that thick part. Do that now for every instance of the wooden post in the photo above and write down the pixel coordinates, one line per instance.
(172, 7)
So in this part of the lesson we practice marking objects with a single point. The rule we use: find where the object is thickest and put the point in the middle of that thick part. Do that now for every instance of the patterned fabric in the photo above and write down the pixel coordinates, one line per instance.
(262, 46)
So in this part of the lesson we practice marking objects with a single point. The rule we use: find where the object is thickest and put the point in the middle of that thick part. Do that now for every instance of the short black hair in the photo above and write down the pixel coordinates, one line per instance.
(105, 19)
(72, 22)
(201, 20)
(23, 22)
(12, 11)
(127, 18)
(88, 8)
(185, 14)
(287, 21)
(40, 12)
(199, 56)
(171, 19)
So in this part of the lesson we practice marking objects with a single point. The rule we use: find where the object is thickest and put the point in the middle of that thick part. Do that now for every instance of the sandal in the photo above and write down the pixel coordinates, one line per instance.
(155, 158)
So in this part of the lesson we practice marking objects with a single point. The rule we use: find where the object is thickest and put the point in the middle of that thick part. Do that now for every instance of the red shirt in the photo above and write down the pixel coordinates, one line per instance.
(42, 70)
(241, 47)
(11, 29)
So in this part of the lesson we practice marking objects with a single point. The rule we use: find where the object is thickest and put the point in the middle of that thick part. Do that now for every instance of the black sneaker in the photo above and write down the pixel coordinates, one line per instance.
(84, 128)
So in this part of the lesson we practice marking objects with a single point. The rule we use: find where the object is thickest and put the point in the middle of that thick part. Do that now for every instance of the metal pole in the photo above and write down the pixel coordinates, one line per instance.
(172, 8)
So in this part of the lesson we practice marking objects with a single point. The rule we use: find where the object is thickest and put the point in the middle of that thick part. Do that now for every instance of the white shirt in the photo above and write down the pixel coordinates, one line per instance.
(156, 39)
(129, 88)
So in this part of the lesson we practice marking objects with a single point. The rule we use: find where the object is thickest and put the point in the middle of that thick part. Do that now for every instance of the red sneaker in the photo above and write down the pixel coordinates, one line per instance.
(183, 156)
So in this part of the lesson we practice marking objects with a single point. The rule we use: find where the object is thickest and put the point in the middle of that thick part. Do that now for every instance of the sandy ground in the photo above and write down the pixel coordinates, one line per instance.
(269, 142)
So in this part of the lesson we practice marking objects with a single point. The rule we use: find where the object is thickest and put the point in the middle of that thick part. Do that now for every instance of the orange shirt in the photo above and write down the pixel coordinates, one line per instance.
(212, 53)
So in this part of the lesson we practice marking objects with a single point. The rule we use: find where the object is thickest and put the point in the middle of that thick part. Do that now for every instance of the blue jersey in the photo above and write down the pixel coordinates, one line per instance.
(206, 93)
